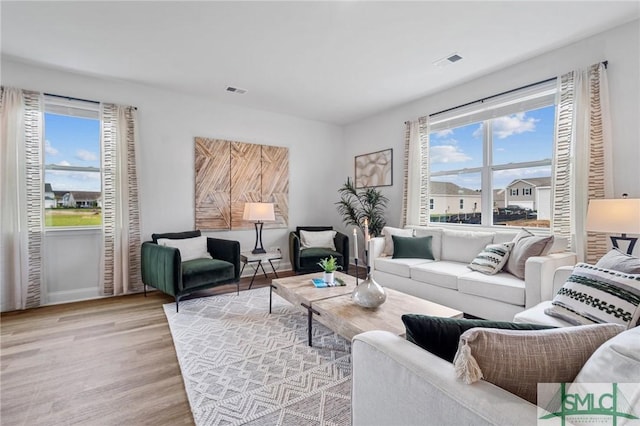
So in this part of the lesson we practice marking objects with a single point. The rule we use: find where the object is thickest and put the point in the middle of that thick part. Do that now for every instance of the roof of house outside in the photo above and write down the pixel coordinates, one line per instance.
(80, 195)
(539, 181)
(449, 188)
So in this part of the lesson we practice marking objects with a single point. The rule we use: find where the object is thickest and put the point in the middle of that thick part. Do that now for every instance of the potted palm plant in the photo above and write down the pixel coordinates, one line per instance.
(329, 265)
(357, 205)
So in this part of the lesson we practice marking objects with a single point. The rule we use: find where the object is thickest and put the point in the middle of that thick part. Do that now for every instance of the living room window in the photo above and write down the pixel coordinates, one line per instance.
(72, 173)
(484, 153)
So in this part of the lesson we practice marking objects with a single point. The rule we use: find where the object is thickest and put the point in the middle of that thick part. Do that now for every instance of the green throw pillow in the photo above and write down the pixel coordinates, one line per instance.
(412, 247)
(440, 336)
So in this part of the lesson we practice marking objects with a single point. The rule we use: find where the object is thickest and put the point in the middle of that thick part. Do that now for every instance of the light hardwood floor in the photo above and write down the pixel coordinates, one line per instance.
(101, 362)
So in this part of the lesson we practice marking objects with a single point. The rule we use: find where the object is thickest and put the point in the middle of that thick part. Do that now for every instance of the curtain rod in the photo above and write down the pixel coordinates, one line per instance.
(70, 98)
(605, 63)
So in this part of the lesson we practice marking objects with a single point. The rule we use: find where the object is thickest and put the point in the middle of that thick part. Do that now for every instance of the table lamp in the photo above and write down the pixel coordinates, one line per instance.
(621, 215)
(258, 212)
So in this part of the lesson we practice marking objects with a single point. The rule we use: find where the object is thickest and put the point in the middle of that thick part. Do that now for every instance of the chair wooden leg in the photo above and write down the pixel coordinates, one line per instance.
(238, 287)
(177, 303)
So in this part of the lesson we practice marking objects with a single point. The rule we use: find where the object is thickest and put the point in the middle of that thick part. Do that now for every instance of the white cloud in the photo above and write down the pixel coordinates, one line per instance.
(478, 132)
(63, 163)
(443, 133)
(513, 124)
(85, 155)
(447, 154)
(50, 149)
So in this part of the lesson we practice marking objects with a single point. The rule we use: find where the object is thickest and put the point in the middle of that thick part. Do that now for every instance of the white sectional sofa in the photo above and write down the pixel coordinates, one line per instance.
(448, 280)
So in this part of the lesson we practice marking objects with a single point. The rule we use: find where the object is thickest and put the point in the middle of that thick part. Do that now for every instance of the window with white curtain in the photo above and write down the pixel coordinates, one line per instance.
(72, 173)
(481, 155)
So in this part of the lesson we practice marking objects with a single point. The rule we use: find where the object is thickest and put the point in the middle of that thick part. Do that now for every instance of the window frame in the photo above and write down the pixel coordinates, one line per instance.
(57, 105)
(530, 98)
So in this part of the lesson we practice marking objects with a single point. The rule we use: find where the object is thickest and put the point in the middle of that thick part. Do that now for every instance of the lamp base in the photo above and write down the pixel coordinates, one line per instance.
(258, 249)
(632, 242)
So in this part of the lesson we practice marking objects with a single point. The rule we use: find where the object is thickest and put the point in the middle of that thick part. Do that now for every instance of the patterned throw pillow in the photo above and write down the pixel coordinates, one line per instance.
(491, 260)
(597, 295)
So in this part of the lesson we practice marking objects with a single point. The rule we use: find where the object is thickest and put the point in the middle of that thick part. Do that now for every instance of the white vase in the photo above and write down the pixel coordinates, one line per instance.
(369, 294)
(328, 277)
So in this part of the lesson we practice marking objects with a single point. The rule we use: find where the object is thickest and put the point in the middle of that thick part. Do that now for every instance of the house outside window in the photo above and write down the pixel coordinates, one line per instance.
(431, 204)
(72, 174)
(477, 154)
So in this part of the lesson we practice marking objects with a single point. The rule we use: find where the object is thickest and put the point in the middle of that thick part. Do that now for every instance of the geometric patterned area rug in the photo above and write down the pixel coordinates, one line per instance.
(244, 366)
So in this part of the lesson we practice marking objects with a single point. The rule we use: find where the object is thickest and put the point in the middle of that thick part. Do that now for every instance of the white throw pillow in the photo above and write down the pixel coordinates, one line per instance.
(616, 361)
(322, 239)
(190, 248)
(388, 232)
(491, 260)
(619, 261)
(596, 295)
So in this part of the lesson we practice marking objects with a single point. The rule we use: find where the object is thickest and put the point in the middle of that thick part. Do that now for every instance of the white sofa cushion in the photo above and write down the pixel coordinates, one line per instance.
(536, 315)
(442, 274)
(504, 237)
(436, 241)
(463, 246)
(502, 286)
(400, 267)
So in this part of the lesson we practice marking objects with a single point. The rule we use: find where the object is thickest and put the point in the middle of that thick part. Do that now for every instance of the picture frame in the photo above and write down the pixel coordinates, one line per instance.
(374, 169)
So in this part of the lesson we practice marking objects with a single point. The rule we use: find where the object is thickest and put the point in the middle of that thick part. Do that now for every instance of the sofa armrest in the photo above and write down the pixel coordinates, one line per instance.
(228, 250)
(294, 250)
(538, 276)
(560, 277)
(341, 241)
(376, 246)
(397, 382)
(161, 267)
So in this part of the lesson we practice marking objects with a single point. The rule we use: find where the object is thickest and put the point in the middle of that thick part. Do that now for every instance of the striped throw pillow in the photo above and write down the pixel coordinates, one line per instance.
(597, 295)
(491, 260)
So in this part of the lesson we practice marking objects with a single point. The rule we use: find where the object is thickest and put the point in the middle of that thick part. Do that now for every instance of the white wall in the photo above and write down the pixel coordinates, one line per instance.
(169, 122)
(620, 46)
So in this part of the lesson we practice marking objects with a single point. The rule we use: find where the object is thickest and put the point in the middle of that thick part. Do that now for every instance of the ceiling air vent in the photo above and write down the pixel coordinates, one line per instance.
(449, 59)
(236, 90)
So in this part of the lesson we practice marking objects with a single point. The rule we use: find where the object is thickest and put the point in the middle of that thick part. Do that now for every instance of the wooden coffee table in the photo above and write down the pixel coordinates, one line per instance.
(334, 308)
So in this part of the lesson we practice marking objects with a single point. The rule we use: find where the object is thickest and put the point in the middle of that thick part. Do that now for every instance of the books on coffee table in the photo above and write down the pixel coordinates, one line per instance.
(320, 283)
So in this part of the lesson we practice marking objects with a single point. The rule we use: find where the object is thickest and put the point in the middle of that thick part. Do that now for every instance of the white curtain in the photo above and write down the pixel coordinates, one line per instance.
(415, 207)
(121, 223)
(20, 199)
(583, 168)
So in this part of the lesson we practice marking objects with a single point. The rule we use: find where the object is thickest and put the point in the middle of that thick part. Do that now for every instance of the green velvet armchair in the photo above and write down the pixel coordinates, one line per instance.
(306, 260)
(163, 268)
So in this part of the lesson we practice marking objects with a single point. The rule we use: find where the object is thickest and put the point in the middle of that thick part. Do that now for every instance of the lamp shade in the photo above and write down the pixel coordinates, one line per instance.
(621, 215)
(258, 211)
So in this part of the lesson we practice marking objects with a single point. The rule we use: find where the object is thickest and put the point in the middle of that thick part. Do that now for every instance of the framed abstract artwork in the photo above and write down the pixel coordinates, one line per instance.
(374, 169)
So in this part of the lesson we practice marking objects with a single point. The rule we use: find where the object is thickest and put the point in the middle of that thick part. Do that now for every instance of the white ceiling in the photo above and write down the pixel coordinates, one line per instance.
(330, 61)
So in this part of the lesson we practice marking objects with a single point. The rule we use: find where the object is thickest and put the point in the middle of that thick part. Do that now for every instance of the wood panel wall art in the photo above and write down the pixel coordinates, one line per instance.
(229, 174)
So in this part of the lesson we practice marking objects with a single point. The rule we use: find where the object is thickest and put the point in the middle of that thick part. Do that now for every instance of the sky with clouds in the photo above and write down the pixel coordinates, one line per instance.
(522, 137)
(72, 141)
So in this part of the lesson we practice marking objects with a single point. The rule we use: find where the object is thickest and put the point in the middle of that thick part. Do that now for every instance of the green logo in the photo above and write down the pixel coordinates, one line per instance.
(587, 403)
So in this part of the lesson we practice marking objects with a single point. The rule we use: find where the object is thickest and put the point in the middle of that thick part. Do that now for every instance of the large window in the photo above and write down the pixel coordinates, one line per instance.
(491, 164)
(72, 186)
